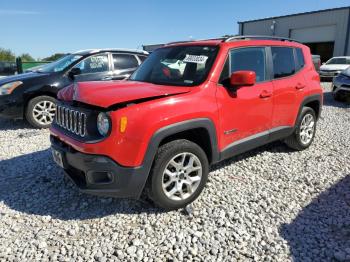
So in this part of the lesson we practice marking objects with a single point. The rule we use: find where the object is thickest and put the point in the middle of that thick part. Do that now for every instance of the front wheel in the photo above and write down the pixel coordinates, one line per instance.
(179, 174)
(40, 111)
(305, 130)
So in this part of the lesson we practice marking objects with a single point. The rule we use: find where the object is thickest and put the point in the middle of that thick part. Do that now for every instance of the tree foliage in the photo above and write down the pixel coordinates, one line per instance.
(27, 58)
(7, 55)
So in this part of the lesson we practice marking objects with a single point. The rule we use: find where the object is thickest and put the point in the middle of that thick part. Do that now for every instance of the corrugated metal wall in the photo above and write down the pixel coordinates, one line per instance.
(284, 26)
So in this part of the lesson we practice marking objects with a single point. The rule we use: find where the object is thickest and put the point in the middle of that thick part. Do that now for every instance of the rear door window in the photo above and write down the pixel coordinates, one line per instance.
(124, 61)
(94, 64)
(283, 61)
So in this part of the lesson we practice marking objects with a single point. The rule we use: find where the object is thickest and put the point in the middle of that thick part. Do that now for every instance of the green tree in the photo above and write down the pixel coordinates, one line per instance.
(27, 58)
(53, 57)
(7, 55)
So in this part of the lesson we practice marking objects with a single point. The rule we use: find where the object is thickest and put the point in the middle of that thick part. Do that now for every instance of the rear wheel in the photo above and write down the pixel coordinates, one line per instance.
(305, 130)
(179, 174)
(40, 111)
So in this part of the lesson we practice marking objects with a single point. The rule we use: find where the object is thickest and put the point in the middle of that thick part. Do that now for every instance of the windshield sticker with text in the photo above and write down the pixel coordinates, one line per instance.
(198, 59)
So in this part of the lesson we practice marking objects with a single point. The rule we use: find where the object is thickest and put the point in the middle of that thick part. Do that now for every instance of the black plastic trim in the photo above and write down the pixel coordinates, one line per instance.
(312, 98)
(125, 182)
(180, 127)
(256, 140)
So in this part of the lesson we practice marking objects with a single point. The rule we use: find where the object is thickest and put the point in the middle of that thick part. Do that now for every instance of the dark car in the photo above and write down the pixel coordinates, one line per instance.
(341, 86)
(33, 95)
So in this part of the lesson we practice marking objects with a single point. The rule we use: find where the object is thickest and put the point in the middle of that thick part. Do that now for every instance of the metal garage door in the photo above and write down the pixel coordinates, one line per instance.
(314, 34)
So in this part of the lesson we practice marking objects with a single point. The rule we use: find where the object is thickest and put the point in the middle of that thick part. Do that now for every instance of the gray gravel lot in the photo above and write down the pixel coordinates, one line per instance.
(271, 204)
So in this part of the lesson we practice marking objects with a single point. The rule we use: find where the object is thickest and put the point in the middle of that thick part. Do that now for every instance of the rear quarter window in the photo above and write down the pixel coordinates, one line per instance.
(300, 59)
(124, 61)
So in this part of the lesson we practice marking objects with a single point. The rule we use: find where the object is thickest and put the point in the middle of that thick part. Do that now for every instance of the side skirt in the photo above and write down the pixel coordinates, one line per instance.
(254, 141)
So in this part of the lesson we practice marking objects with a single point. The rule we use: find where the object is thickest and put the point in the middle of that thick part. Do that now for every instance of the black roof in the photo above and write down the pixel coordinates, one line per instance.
(305, 13)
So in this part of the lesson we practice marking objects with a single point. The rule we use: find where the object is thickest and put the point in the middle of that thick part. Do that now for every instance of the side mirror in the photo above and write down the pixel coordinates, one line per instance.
(242, 78)
(73, 72)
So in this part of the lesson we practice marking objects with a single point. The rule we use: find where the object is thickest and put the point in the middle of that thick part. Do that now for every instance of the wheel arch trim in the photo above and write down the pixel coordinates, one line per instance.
(172, 129)
(308, 99)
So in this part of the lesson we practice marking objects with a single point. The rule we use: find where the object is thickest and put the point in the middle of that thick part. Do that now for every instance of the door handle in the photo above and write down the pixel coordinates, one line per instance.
(299, 86)
(265, 94)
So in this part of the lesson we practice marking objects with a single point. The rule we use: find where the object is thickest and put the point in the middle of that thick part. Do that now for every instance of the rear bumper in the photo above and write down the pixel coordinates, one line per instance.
(10, 107)
(100, 175)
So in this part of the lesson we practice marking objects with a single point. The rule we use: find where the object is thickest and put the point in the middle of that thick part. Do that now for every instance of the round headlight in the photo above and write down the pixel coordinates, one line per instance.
(103, 124)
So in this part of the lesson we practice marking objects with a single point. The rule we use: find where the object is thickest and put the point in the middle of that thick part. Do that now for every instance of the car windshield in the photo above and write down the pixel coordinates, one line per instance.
(178, 65)
(60, 64)
(339, 61)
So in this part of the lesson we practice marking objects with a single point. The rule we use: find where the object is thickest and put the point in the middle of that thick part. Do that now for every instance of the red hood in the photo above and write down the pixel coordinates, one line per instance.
(108, 93)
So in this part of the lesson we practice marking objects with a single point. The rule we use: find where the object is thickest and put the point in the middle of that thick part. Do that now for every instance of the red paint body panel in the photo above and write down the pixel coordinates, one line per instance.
(243, 78)
(250, 110)
(243, 110)
(107, 93)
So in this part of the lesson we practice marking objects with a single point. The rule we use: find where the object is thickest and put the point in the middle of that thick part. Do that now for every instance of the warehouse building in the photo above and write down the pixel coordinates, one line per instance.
(326, 32)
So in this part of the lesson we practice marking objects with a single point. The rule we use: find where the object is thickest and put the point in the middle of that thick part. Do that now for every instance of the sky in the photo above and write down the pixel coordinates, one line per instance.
(42, 28)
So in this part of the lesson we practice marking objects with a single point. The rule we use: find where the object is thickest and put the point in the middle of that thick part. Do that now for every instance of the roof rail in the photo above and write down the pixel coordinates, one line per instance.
(198, 40)
(259, 37)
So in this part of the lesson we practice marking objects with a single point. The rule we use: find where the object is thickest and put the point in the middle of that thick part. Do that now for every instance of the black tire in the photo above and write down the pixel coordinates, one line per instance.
(29, 112)
(164, 155)
(338, 98)
(294, 141)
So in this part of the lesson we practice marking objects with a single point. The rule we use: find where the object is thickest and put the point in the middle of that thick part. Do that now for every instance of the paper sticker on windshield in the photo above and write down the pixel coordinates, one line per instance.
(198, 59)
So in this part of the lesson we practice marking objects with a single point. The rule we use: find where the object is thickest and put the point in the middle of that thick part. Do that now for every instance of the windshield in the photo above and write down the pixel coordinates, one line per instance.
(178, 65)
(60, 64)
(339, 61)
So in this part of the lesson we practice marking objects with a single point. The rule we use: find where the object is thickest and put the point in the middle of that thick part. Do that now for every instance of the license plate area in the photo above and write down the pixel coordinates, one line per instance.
(57, 157)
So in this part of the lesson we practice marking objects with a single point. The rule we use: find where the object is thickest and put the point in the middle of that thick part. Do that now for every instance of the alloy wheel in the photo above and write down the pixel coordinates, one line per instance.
(182, 176)
(44, 112)
(307, 129)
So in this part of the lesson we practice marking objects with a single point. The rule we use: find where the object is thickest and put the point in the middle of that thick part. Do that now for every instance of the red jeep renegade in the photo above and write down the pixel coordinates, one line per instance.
(189, 105)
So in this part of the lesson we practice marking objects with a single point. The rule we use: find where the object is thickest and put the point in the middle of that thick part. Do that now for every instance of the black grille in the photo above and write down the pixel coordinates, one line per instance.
(72, 120)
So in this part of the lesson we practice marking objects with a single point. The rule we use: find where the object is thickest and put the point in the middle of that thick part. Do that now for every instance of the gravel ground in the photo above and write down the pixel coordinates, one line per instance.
(271, 204)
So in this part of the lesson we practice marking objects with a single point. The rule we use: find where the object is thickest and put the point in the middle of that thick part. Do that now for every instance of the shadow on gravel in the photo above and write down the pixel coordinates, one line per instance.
(321, 231)
(8, 124)
(33, 184)
(273, 147)
(329, 101)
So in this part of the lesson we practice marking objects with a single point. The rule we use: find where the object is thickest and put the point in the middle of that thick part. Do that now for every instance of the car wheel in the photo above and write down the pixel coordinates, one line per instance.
(304, 132)
(40, 111)
(179, 174)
